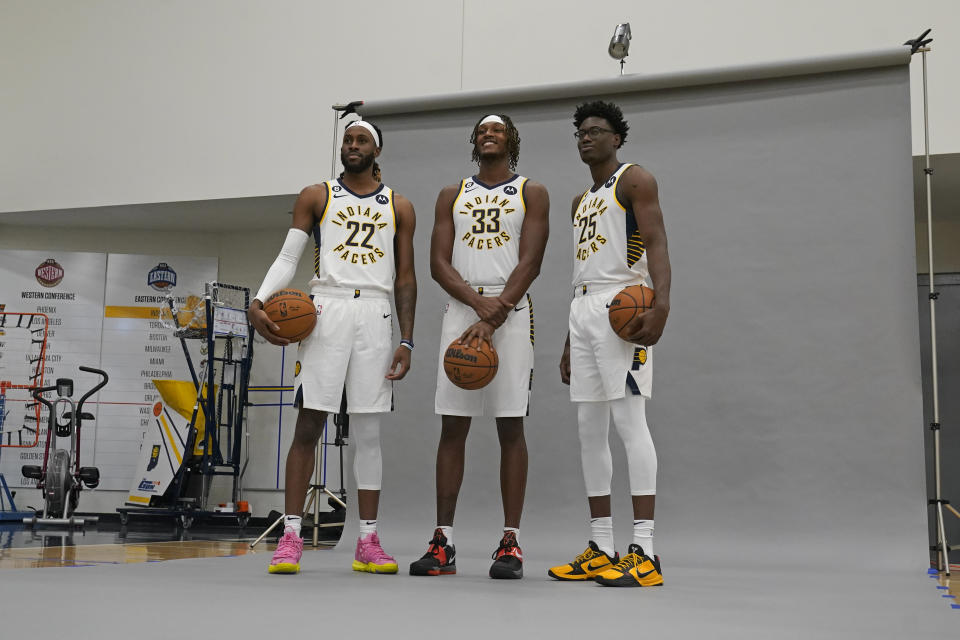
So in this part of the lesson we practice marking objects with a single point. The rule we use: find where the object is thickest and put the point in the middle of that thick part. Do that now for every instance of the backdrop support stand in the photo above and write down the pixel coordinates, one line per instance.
(920, 45)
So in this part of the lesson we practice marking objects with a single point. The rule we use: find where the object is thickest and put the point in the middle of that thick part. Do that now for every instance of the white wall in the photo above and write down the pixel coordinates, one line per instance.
(132, 101)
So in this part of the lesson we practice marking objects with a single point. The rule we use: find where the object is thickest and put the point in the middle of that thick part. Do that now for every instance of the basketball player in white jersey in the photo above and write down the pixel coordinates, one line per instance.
(618, 240)
(489, 236)
(363, 232)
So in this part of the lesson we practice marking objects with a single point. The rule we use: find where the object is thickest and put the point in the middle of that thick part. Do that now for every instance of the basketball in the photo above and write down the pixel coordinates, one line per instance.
(470, 367)
(627, 305)
(293, 312)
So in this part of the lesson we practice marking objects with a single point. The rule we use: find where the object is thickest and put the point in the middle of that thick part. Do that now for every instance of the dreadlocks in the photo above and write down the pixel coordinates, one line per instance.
(513, 141)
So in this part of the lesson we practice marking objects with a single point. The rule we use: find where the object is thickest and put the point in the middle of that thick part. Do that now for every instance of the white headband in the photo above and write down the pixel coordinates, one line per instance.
(492, 118)
(368, 127)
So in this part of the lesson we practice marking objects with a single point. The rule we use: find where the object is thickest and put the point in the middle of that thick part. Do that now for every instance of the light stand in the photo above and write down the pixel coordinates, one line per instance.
(919, 45)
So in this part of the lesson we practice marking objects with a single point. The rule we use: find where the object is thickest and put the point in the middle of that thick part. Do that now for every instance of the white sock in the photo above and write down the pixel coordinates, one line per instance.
(367, 527)
(448, 532)
(643, 535)
(291, 523)
(514, 530)
(601, 532)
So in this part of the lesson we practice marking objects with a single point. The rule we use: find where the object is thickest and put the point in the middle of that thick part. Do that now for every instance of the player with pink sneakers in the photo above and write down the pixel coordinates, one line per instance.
(363, 232)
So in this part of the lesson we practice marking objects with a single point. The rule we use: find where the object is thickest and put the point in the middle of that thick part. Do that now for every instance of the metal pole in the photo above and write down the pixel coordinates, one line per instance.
(943, 549)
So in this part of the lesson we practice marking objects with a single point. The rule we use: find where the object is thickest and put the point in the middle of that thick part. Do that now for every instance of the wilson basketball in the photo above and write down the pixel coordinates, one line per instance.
(293, 312)
(470, 367)
(627, 305)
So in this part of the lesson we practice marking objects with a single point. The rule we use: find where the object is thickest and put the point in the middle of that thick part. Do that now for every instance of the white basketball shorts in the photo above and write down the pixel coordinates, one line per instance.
(602, 365)
(508, 394)
(352, 347)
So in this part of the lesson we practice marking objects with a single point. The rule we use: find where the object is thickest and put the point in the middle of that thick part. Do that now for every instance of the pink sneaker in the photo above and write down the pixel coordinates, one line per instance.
(286, 559)
(371, 557)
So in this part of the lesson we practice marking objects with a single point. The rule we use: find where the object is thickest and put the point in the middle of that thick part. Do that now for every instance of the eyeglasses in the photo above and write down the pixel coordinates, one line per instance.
(593, 132)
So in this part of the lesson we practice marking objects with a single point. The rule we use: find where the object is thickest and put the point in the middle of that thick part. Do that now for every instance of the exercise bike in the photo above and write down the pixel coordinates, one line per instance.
(60, 477)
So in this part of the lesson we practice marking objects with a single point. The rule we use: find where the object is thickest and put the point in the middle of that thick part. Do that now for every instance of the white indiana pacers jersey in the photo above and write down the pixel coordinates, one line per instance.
(354, 239)
(486, 229)
(607, 245)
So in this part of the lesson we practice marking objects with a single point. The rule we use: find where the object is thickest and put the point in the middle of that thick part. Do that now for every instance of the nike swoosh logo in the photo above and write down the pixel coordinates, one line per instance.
(520, 308)
(342, 195)
(608, 305)
(387, 315)
(644, 575)
(469, 190)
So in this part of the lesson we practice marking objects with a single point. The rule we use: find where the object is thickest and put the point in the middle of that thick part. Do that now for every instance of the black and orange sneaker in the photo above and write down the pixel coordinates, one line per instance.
(635, 570)
(585, 566)
(439, 560)
(507, 559)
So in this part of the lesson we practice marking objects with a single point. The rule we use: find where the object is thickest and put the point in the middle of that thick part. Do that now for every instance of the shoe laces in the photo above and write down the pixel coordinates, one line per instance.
(288, 543)
(435, 544)
(373, 549)
(628, 562)
(586, 555)
(509, 541)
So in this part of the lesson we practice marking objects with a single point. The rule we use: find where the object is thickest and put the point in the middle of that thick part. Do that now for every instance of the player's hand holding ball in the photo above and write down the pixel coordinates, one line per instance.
(634, 316)
(470, 365)
(287, 316)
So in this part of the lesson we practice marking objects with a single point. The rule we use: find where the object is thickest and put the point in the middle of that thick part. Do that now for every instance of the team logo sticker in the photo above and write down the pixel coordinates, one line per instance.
(296, 369)
(510, 191)
(382, 199)
(162, 277)
(50, 273)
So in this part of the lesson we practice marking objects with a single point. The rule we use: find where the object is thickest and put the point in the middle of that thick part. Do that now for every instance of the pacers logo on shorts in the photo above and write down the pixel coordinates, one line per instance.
(296, 369)
(639, 357)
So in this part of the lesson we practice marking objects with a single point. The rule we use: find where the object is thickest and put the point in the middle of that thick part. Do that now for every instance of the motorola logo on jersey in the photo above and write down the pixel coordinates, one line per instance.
(510, 190)
(162, 277)
(50, 273)
(382, 199)
(336, 188)
(609, 183)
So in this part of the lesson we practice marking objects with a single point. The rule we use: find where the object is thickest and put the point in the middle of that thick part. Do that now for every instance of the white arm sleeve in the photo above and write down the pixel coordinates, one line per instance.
(281, 271)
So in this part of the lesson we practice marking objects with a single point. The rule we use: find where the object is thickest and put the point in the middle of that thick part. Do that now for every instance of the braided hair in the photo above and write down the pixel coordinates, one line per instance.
(513, 141)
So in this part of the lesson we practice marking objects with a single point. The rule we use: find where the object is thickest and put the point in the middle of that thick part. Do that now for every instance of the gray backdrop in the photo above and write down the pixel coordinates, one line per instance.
(786, 407)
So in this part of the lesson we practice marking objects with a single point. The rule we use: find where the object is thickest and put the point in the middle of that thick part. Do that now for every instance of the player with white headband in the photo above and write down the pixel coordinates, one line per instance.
(363, 234)
(489, 236)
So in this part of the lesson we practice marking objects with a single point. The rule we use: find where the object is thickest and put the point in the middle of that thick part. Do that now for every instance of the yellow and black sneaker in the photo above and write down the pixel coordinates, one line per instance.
(588, 564)
(635, 570)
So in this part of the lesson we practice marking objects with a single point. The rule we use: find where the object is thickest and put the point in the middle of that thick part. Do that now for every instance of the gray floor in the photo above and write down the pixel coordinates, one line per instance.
(235, 597)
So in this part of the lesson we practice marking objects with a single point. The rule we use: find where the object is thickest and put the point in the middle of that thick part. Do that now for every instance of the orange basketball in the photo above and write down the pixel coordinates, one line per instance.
(627, 305)
(293, 312)
(470, 367)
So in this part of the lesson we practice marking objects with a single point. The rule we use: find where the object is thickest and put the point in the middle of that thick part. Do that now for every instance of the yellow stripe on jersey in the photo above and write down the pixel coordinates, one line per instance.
(523, 183)
(463, 183)
(635, 248)
(326, 207)
(615, 184)
(393, 211)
